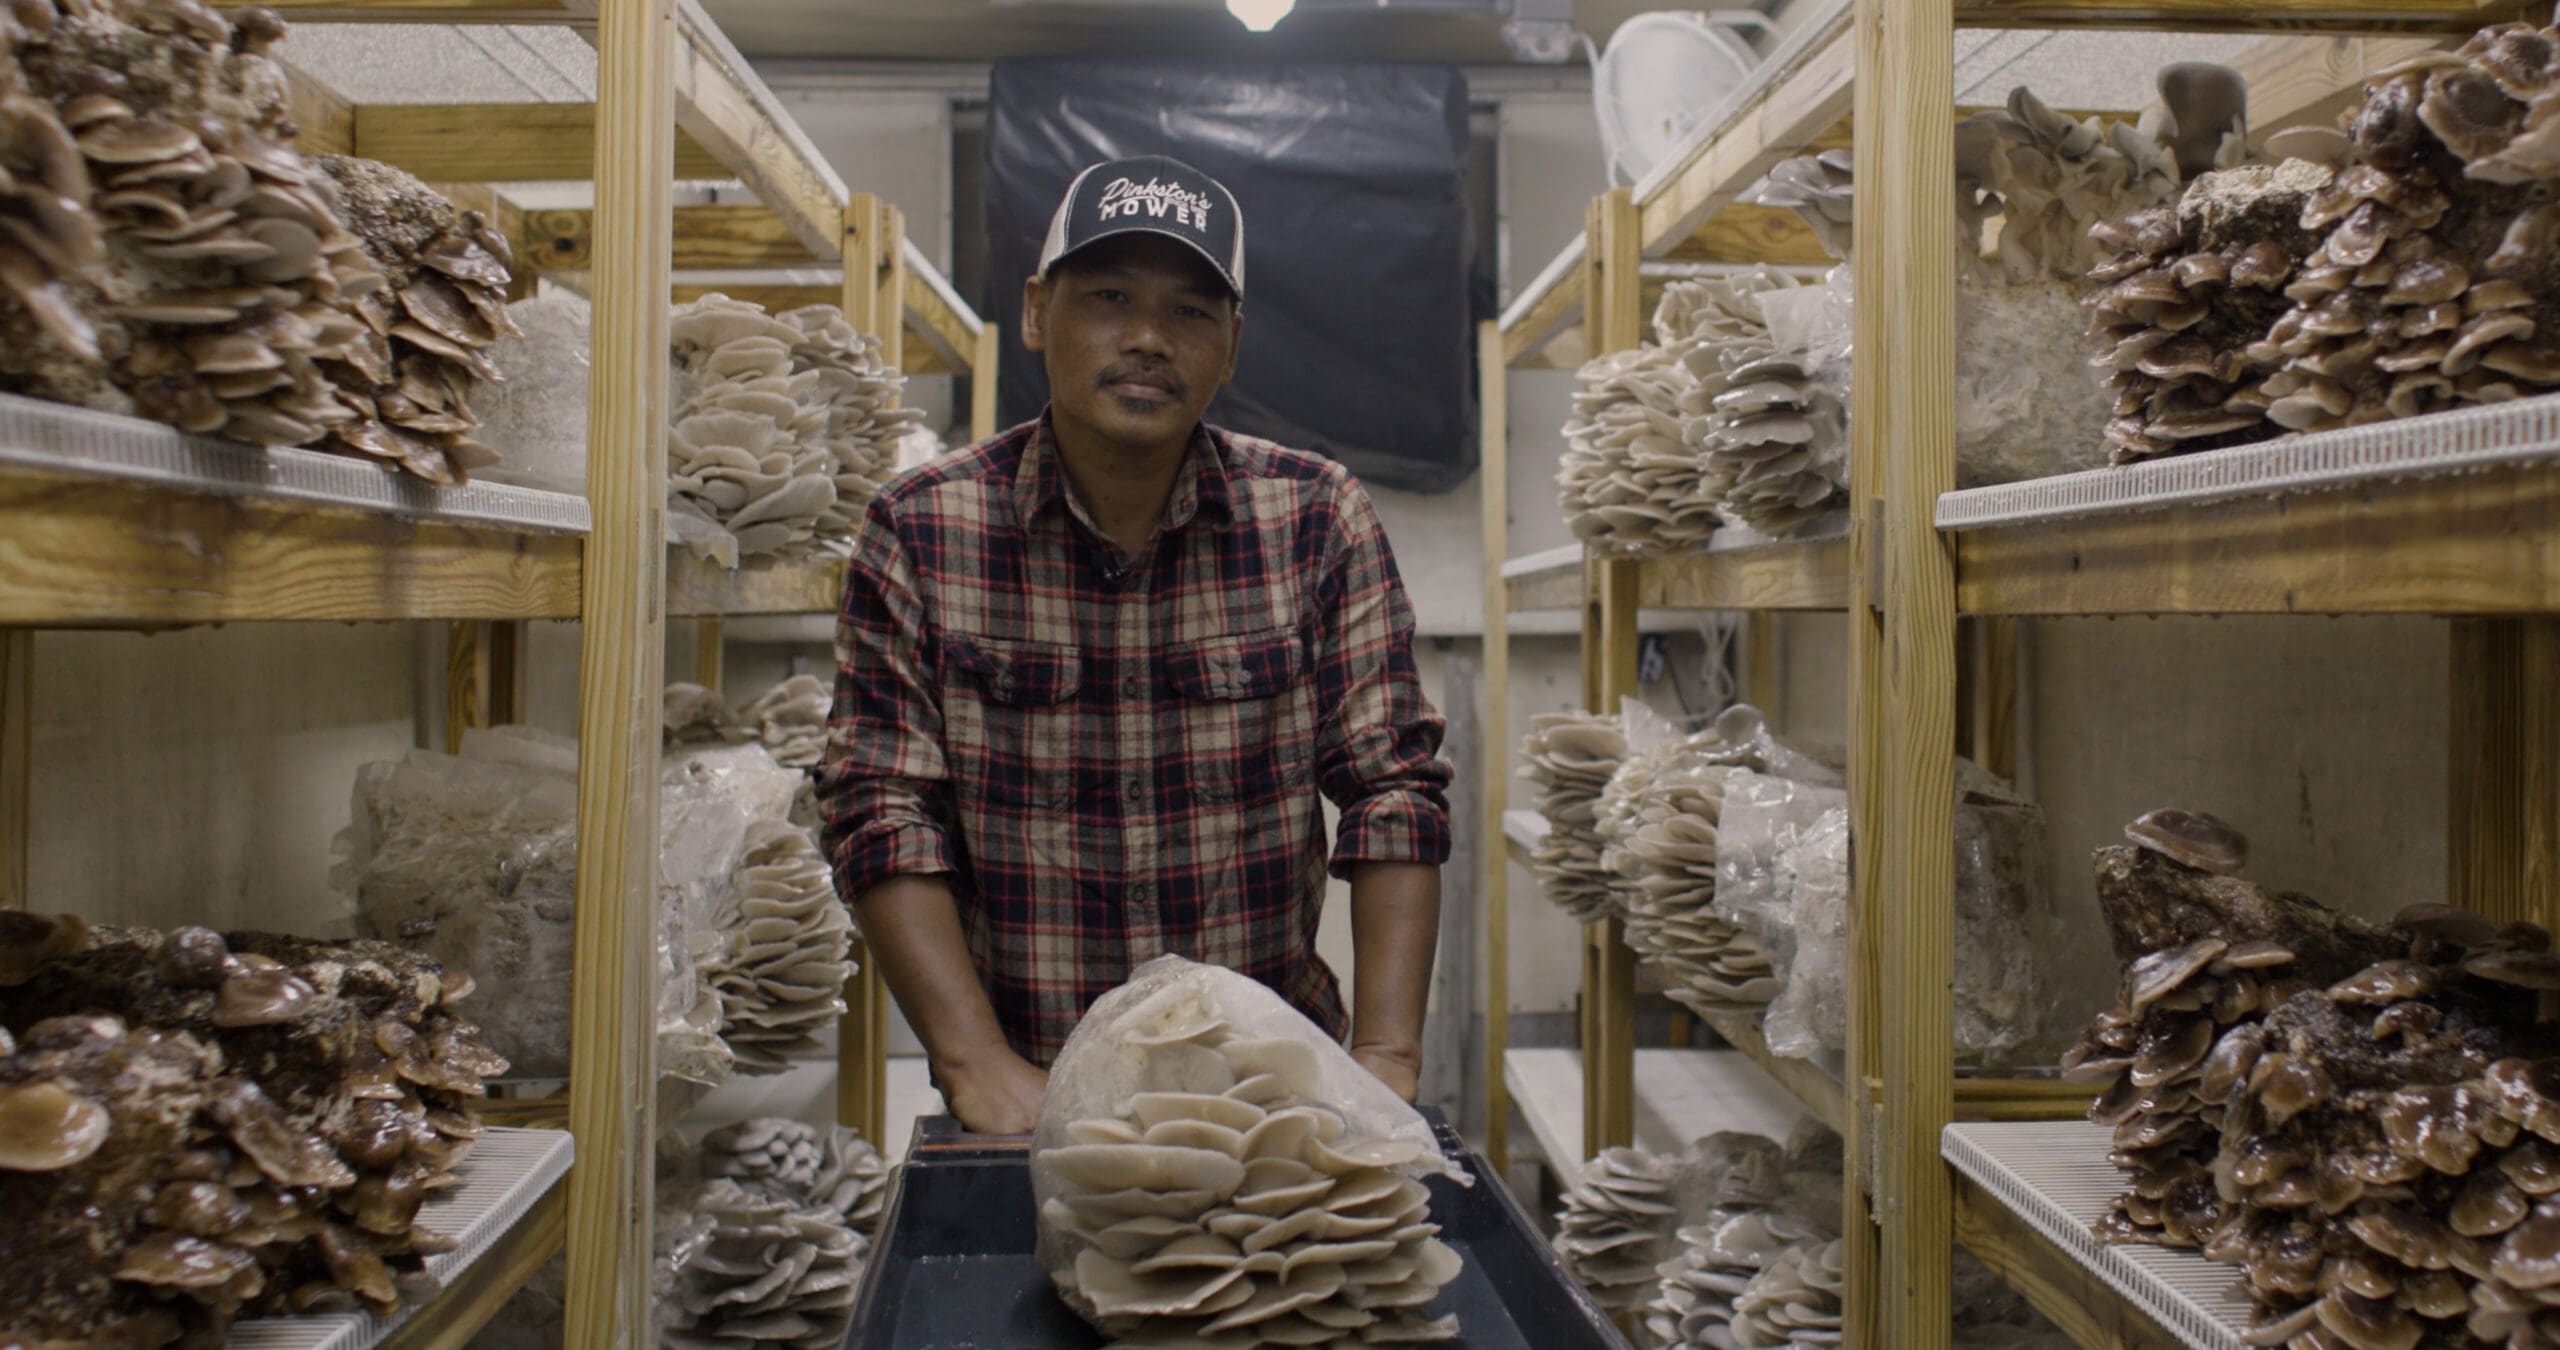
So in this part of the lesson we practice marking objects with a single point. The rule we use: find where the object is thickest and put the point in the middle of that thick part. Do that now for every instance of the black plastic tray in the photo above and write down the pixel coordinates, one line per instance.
(953, 1269)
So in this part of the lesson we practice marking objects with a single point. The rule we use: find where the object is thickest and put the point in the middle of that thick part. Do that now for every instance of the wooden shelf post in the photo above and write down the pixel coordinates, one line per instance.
(1493, 718)
(1904, 452)
(2502, 850)
(983, 371)
(1613, 314)
(710, 651)
(613, 1085)
(17, 762)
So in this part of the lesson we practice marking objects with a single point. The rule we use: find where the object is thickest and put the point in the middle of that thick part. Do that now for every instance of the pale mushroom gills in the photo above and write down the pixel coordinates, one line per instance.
(774, 1244)
(1571, 758)
(1229, 1205)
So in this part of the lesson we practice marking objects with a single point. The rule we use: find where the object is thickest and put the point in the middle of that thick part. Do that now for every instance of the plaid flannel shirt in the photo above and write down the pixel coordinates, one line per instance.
(1107, 765)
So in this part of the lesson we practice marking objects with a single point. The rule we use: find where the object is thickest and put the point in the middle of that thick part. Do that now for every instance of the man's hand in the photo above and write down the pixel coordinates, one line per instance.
(1398, 1069)
(1002, 1096)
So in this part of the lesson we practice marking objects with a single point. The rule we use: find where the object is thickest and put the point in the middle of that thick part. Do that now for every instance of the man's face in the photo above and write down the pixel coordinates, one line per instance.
(1138, 334)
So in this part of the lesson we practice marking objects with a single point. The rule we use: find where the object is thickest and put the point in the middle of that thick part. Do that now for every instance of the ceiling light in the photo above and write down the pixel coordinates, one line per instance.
(1261, 16)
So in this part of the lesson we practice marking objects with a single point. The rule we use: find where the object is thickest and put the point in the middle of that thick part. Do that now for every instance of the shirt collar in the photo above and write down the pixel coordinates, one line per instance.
(1200, 488)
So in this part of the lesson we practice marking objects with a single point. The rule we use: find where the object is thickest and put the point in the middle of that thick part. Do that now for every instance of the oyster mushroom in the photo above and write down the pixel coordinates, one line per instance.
(259, 998)
(44, 1128)
(2196, 838)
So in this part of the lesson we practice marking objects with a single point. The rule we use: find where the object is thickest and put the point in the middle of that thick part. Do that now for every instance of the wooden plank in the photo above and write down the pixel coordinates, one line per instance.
(1819, 1091)
(469, 1303)
(1493, 719)
(1554, 310)
(1909, 346)
(1990, 715)
(1761, 686)
(710, 652)
(2020, 1099)
(1745, 233)
(2221, 16)
(706, 237)
(1808, 576)
(2303, 80)
(722, 104)
(324, 121)
(931, 317)
(466, 681)
(1549, 588)
(986, 371)
(499, 142)
(2486, 542)
(2079, 1302)
(697, 588)
(508, 670)
(17, 761)
(412, 11)
(622, 655)
(1862, 1273)
(80, 552)
(1799, 105)
(2502, 847)
(867, 254)
(862, 1050)
(892, 306)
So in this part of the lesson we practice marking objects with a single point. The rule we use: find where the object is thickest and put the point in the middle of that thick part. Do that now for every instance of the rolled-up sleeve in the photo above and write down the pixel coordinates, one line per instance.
(1378, 747)
(884, 790)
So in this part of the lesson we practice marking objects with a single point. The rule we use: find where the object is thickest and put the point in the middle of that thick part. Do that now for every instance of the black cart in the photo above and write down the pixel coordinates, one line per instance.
(953, 1269)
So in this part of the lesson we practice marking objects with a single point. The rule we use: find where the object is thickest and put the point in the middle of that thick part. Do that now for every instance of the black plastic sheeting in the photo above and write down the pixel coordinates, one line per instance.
(1358, 334)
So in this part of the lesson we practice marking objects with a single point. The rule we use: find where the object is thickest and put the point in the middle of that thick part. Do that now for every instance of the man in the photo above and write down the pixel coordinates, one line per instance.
(1092, 674)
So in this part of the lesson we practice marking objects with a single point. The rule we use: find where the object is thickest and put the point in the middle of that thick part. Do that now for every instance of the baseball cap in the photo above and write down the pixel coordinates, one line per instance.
(1152, 194)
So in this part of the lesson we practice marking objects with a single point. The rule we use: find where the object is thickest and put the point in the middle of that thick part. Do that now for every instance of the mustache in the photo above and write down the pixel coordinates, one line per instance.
(1160, 375)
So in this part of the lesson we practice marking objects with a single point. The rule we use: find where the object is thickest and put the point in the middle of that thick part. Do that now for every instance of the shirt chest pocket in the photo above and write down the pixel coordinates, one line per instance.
(1009, 720)
(1242, 711)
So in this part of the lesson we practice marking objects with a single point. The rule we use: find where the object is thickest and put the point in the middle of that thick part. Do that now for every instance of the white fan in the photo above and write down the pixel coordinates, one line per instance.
(1662, 72)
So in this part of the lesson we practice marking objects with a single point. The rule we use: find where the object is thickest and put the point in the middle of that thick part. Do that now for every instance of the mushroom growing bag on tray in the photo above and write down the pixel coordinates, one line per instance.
(1212, 1170)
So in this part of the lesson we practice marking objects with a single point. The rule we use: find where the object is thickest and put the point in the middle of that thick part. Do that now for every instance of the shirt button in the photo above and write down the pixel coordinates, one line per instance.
(1133, 687)
(1134, 786)
(1144, 890)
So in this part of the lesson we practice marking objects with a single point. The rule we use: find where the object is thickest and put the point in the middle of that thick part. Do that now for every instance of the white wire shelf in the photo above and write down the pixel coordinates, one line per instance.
(507, 1172)
(2054, 1175)
(59, 438)
(2468, 440)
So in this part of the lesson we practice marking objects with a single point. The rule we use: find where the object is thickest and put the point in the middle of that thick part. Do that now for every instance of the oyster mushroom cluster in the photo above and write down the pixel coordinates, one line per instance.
(785, 426)
(1228, 1206)
(171, 255)
(790, 1212)
(2371, 1129)
(1744, 1200)
(1657, 821)
(782, 950)
(1768, 434)
(196, 1127)
(1627, 480)
(2411, 253)
(790, 720)
(1572, 756)
(692, 716)
(1611, 1233)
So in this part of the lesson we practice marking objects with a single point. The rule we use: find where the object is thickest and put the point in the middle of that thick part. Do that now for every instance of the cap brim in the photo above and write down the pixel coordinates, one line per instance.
(1143, 227)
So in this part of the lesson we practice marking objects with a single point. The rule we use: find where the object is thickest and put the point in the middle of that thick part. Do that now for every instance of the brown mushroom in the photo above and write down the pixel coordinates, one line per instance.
(2195, 838)
(260, 998)
(28, 940)
(45, 1128)
(179, 1261)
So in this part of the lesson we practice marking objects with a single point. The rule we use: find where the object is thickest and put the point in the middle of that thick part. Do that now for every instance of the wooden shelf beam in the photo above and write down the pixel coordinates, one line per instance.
(722, 104)
(81, 552)
(2220, 16)
(706, 237)
(2082, 1304)
(499, 142)
(1800, 101)
(700, 589)
(469, 1303)
(1493, 723)
(2483, 543)
(1820, 1092)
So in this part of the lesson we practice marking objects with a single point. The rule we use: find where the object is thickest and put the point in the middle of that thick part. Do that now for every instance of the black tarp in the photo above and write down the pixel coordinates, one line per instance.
(1358, 335)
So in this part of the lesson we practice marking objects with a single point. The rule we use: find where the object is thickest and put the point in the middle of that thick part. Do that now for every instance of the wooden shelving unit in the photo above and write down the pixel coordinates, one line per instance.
(110, 522)
(2429, 517)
